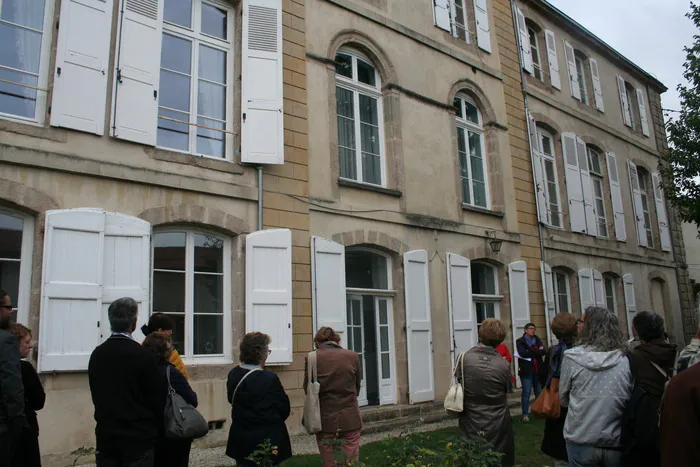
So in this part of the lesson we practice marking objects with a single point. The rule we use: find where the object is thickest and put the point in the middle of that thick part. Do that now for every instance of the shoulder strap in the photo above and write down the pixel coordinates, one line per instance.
(660, 370)
(167, 375)
(313, 369)
(233, 398)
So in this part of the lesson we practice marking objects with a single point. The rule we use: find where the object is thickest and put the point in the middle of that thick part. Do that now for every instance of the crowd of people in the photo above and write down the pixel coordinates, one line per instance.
(622, 403)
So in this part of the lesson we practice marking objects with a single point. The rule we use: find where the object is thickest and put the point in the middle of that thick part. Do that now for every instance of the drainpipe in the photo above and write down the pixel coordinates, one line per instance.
(532, 161)
(260, 197)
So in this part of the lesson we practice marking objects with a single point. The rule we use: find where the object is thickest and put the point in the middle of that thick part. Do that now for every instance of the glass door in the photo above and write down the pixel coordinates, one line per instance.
(356, 340)
(385, 342)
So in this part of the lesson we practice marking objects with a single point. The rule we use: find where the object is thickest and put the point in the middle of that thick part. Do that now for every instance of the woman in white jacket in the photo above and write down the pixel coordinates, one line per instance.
(596, 383)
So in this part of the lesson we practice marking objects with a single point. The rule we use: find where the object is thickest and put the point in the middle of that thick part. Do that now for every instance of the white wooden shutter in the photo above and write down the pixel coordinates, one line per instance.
(552, 58)
(588, 199)
(597, 88)
(598, 289)
(269, 290)
(524, 41)
(616, 196)
(127, 262)
(540, 180)
(137, 71)
(442, 14)
(421, 383)
(519, 300)
(571, 67)
(550, 306)
(262, 130)
(637, 204)
(483, 31)
(630, 300)
(577, 214)
(624, 103)
(328, 285)
(71, 295)
(82, 59)
(585, 289)
(461, 307)
(642, 112)
(661, 216)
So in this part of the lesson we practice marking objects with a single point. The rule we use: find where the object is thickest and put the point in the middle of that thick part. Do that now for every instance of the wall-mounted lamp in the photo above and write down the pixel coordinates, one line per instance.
(494, 242)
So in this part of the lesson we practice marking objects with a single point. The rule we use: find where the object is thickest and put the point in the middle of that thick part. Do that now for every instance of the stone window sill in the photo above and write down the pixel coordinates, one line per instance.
(368, 187)
(488, 212)
(196, 161)
(34, 130)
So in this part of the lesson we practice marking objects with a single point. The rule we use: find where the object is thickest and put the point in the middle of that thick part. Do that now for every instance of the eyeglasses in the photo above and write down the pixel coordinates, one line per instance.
(269, 351)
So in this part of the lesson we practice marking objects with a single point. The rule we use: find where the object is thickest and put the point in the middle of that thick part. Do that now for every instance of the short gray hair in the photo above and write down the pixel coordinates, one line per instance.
(122, 314)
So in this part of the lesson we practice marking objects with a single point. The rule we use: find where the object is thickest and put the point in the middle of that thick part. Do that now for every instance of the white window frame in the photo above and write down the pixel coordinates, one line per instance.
(478, 128)
(455, 31)
(641, 180)
(581, 74)
(541, 134)
(597, 178)
(21, 301)
(558, 293)
(358, 88)
(44, 62)
(485, 299)
(607, 279)
(535, 53)
(197, 38)
(187, 356)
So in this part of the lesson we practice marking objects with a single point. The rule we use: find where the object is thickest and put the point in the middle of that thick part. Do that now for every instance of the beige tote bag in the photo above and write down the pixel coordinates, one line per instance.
(454, 401)
(312, 406)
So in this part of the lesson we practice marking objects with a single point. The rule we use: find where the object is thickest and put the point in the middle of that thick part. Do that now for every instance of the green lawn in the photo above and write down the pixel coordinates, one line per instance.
(528, 437)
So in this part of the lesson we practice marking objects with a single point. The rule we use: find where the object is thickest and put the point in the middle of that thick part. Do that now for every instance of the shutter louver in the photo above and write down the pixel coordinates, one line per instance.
(588, 199)
(442, 14)
(459, 295)
(624, 102)
(524, 42)
(552, 58)
(573, 74)
(643, 112)
(262, 137)
(616, 196)
(137, 71)
(597, 88)
(577, 213)
(483, 31)
(637, 204)
(82, 57)
(630, 300)
(328, 285)
(664, 231)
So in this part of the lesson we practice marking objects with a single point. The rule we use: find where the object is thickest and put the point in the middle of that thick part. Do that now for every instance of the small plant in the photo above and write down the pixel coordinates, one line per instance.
(82, 451)
(265, 455)
(408, 451)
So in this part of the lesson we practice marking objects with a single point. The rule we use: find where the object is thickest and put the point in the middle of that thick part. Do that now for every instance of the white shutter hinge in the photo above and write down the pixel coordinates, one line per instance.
(119, 75)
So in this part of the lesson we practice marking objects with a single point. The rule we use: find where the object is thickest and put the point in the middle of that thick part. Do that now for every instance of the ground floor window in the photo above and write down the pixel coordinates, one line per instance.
(610, 301)
(16, 238)
(562, 294)
(485, 292)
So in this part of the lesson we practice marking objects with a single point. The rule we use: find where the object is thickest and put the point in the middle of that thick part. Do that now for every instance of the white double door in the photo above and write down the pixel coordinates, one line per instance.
(370, 334)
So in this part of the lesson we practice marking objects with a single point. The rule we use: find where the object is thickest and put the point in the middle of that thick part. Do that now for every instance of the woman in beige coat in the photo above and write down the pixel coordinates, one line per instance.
(485, 381)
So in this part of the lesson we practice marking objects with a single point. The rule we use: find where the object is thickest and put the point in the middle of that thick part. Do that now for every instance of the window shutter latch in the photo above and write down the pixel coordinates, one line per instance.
(244, 116)
(119, 75)
(58, 71)
(155, 94)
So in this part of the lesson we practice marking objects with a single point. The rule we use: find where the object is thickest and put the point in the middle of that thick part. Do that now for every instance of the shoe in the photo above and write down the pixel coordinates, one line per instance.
(526, 419)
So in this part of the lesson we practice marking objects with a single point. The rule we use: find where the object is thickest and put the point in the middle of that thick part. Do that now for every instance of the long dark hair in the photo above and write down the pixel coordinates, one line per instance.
(157, 321)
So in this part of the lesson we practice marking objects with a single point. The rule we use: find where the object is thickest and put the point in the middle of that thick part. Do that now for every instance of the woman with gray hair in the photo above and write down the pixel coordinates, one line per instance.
(595, 385)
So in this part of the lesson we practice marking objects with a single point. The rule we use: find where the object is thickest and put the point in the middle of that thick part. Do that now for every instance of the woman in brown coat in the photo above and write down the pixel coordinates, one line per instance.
(339, 375)
(485, 381)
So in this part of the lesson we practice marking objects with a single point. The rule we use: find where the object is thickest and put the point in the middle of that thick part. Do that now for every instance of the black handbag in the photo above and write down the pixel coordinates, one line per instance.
(182, 420)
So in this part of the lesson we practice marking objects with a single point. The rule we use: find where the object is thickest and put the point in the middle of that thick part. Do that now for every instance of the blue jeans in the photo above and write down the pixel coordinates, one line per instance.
(528, 385)
(581, 455)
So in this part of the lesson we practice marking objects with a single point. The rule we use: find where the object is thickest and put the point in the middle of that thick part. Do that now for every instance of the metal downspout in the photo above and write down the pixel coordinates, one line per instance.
(260, 197)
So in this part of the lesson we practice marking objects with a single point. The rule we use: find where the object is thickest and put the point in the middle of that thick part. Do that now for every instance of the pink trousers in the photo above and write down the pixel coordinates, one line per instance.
(338, 448)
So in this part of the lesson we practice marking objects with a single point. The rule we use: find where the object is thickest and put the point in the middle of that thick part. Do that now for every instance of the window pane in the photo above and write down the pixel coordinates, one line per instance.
(476, 156)
(457, 104)
(168, 292)
(366, 73)
(171, 134)
(384, 338)
(546, 145)
(169, 251)
(214, 21)
(472, 112)
(178, 333)
(357, 338)
(9, 279)
(211, 142)
(346, 133)
(386, 366)
(10, 237)
(212, 64)
(602, 228)
(366, 270)
(464, 168)
(459, 20)
(348, 164)
(29, 13)
(594, 160)
(15, 99)
(176, 54)
(371, 169)
(343, 65)
(208, 293)
(19, 48)
(208, 335)
(174, 91)
(480, 311)
(368, 110)
(208, 253)
(479, 194)
(212, 100)
(383, 318)
(178, 12)
(483, 279)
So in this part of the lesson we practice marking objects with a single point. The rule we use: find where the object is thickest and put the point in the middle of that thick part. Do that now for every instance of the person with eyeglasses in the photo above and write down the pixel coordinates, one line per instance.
(13, 419)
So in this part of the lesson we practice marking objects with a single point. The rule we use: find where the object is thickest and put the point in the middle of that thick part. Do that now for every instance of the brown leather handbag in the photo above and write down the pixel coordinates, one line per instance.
(548, 404)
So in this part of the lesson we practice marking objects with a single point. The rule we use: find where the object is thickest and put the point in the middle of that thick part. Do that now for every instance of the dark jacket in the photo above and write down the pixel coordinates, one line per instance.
(11, 387)
(128, 393)
(340, 377)
(526, 368)
(680, 420)
(257, 414)
(174, 452)
(27, 453)
(486, 413)
(553, 443)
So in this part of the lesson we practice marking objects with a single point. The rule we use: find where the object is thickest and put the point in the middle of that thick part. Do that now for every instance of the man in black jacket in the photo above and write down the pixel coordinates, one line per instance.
(12, 417)
(128, 392)
(530, 366)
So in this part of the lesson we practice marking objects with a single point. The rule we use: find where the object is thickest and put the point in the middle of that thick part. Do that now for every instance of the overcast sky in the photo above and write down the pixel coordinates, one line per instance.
(651, 33)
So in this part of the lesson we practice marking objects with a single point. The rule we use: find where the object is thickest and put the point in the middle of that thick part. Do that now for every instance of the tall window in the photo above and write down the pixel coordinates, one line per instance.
(535, 53)
(561, 292)
(485, 292)
(359, 107)
(24, 48)
(581, 73)
(196, 78)
(470, 143)
(610, 301)
(597, 182)
(460, 22)
(550, 173)
(643, 185)
(16, 238)
(191, 280)
(634, 106)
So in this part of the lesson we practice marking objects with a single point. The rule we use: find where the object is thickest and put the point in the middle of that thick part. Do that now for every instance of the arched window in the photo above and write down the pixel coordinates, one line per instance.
(546, 142)
(595, 168)
(191, 283)
(485, 291)
(359, 109)
(470, 144)
(16, 239)
(532, 32)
